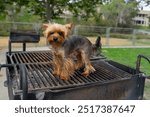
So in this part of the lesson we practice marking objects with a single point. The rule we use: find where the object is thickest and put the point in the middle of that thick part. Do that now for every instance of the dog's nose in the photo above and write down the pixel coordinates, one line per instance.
(55, 39)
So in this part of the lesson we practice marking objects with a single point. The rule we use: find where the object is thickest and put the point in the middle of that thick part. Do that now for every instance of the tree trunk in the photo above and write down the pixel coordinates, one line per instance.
(49, 10)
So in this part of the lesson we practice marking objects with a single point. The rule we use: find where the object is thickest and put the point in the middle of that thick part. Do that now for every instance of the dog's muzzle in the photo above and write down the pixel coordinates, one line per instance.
(55, 39)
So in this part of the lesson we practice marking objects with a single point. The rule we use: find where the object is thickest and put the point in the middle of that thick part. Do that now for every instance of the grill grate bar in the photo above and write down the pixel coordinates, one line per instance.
(80, 76)
(56, 80)
(115, 71)
(14, 59)
(111, 70)
(36, 79)
(26, 58)
(49, 71)
(40, 75)
(30, 77)
(47, 75)
(75, 80)
(46, 56)
(19, 60)
(76, 75)
(40, 72)
(105, 74)
(31, 81)
(94, 76)
(32, 57)
(37, 58)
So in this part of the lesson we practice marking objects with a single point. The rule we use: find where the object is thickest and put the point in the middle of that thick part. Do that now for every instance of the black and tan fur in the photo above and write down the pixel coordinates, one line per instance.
(68, 48)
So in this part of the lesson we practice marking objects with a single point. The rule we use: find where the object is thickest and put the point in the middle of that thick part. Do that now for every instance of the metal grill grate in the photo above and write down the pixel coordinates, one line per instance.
(30, 57)
(40, 77)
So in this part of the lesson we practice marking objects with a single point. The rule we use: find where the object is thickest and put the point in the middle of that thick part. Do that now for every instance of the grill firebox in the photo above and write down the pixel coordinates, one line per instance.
(110, 81)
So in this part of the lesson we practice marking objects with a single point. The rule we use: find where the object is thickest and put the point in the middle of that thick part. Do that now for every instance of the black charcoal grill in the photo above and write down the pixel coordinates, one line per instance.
(29, 74)
(24, 33)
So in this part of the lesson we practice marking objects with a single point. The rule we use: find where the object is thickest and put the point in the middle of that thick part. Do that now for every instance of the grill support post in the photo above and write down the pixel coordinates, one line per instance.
(23, 82)
(141, 79)
(10, 46)
(23, 79)
(24, 46)
(138, 62)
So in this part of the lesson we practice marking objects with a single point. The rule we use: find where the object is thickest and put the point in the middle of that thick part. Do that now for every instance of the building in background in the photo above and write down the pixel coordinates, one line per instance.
(142, 18)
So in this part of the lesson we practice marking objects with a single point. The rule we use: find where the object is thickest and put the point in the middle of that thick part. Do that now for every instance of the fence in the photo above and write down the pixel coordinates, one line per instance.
(6, 27)
(110, 36)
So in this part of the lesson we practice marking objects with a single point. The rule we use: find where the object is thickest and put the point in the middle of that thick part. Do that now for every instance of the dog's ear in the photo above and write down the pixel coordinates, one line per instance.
(69, 26)
(68, 29)
(45, 26)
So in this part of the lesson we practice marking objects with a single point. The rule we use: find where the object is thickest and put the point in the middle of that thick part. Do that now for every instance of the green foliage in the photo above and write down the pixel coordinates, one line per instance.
(116, 13)
(25, 16)
(2, 17)
(52, 9)
(49, 9)
(83, 8)
(1, 6)
(119, 12)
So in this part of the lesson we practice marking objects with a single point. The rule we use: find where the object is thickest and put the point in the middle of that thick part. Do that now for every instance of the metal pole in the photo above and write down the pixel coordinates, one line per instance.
(107, 36)
(134, 37)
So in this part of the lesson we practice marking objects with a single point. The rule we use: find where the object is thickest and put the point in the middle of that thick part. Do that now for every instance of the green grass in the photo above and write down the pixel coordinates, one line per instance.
(128, 57)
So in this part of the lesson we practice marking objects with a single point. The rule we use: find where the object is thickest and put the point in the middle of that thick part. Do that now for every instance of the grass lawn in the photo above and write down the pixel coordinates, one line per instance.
(128, 56)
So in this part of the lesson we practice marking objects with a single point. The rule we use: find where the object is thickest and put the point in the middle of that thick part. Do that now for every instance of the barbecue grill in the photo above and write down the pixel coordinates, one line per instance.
(24, 33)
(29, 74)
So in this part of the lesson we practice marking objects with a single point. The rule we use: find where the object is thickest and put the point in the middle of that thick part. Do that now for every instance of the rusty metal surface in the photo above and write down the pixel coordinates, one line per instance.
(24, 36)
(40, 77)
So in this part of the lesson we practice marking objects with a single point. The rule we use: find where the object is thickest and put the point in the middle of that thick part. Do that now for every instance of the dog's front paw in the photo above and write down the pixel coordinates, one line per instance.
(92, 70)
(55, 73)
(85, 74)
(64, 76)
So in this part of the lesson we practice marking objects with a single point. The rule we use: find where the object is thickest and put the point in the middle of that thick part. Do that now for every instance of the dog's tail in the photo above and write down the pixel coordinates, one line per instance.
(97, 46)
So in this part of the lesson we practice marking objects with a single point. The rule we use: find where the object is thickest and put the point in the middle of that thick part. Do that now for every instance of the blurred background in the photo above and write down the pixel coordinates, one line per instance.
(119, 22)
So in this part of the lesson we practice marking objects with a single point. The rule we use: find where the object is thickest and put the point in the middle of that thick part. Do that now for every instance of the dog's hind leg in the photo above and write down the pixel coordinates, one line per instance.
(88, 67)
(79, 63)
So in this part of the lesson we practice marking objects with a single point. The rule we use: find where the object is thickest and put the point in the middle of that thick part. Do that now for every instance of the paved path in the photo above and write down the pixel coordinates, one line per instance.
(3, 90)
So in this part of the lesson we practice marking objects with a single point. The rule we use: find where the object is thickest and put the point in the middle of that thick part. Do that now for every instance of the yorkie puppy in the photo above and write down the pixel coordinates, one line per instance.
(56, 34)
(67, 48)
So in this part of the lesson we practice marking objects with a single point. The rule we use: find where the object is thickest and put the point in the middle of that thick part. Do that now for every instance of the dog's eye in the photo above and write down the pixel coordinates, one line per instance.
(51, 33)
(61, 33)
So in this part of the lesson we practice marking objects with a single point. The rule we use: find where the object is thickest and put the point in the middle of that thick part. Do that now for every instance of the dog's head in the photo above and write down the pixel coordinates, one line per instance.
(56, 33)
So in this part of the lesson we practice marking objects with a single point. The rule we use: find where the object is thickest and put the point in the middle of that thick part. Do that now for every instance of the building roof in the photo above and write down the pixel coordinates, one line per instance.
(144, 12)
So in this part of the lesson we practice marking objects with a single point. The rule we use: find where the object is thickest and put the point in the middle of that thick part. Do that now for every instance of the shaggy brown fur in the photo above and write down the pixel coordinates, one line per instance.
(67, 48)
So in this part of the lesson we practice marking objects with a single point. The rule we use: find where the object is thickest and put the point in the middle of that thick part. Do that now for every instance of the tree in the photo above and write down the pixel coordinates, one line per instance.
(19, 3)
(83, 8)
(10, 8)
(47, 9)
(51, 9)
(119, 12)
